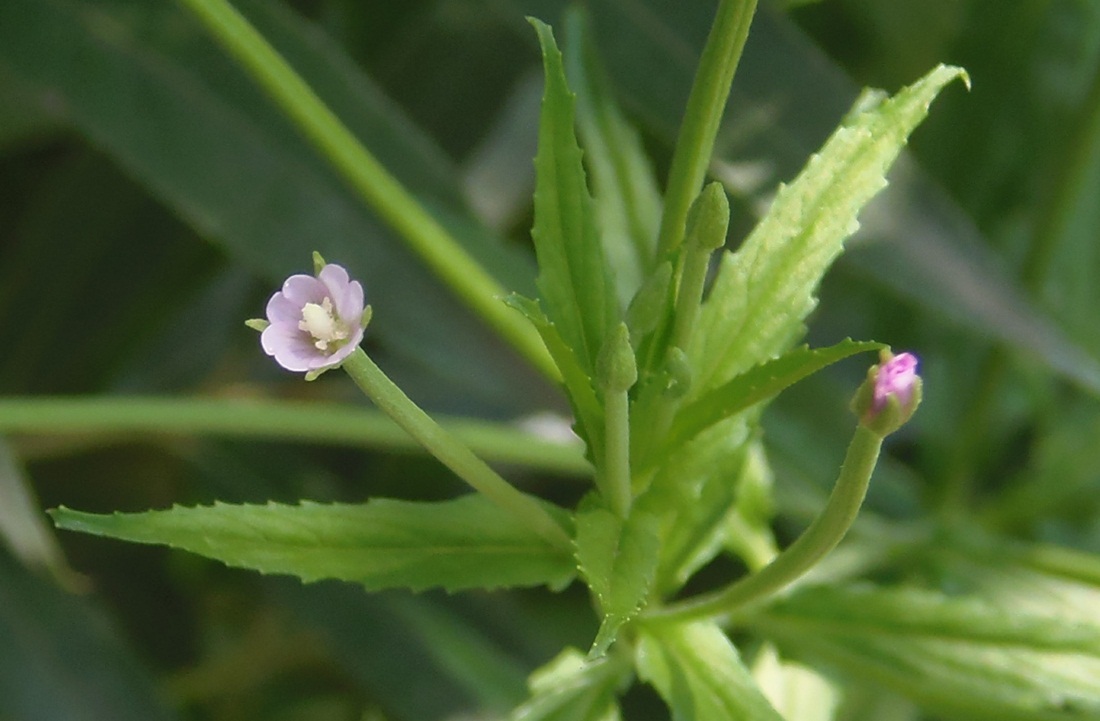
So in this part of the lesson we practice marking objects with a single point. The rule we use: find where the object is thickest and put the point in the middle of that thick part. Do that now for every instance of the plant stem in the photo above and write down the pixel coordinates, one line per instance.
(696, 260)
(392, 401)
(822, 536)
(397, 207)
(616, 467)
(304, 422)
(703, 115)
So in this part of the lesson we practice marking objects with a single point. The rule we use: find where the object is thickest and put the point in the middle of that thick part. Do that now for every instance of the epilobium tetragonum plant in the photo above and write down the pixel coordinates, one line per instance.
(666, 375)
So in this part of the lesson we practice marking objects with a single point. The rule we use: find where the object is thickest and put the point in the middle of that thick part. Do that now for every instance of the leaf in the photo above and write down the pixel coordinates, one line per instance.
(582, 394)
(699, 674)
(146, 85)
(796, 692)
(618, 559)
(758, 384)
(963, 657)
(571, 688)
(699, 487)
(459, 544)
(61, 657)
(918, 242)
(765, 290)
(573, 281)
(22, 527)
(628, 201)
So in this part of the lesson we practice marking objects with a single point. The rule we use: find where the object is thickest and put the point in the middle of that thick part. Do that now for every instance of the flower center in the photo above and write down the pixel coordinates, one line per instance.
(321, 322)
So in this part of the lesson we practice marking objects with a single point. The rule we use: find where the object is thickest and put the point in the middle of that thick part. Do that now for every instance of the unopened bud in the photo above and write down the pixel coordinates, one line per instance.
(890, 395)
(708, 219)
(616, 367)
(651, 301)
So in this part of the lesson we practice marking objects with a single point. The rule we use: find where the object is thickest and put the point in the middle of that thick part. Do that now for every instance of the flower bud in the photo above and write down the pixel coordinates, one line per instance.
(650, 303)
(890, 395)
(708, 219)
(616, 369)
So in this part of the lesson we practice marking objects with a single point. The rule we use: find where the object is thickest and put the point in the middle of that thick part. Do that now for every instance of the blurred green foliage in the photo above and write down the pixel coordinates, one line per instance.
(152, 197)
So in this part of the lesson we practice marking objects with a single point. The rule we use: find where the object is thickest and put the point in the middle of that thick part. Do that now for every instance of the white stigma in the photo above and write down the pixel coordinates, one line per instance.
(321, 323)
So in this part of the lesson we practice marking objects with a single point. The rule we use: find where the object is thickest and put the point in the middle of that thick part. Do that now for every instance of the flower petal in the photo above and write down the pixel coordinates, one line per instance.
(282, 310)
(302, 289)
(289, 347)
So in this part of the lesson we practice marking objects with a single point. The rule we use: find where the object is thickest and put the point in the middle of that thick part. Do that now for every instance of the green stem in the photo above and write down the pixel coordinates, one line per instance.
(616, 466)
(392, 401)
(397, 207)
(306, 422)
(690, 296)
(822, 536)
(703, 115)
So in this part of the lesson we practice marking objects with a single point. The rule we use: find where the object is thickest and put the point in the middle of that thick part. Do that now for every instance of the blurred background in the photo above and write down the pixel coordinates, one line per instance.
(151, 199)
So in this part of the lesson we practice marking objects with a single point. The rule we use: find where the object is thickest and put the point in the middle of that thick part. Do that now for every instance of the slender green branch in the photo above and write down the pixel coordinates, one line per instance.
(703, 115)
(617, 372)
(392, 401)
(296, 421)
(692, 279)
(822, 536)
(616, 470)
(397, 207)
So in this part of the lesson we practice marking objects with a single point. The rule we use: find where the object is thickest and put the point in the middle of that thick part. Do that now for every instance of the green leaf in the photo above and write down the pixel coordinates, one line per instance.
(216, 151)
(572, 688)
(628, 201)
(62, 658)
(797, 692)
(573, 281)
(699, 674)
(582, 394)
(618, 558)
(758, 384)
(765, 290)
(459, 544)
(699, 486)
(22, 528)
(964, 657)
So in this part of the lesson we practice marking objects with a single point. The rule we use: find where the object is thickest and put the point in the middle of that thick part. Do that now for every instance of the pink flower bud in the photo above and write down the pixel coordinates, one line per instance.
(890, 395)
(896, 377)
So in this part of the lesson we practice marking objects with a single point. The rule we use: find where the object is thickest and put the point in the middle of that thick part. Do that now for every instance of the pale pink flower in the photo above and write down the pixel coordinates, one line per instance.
(315, 322)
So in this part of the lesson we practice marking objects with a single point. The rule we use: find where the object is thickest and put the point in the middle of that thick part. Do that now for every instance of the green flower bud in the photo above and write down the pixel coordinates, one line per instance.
(708, 219)
(616, 368)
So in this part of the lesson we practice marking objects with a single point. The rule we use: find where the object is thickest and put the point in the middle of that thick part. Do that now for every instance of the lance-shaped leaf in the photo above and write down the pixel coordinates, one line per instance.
(571, 688)
(765, 290)
(628, 201)
(618, 559)
(699, 674)
(758, 384)
(573, 282)
(459, 544)
(964, 657)
(582, 395)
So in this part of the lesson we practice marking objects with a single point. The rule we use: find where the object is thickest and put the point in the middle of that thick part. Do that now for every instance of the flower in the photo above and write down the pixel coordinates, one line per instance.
(890, 395)
(314, 323)
(895, 378)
